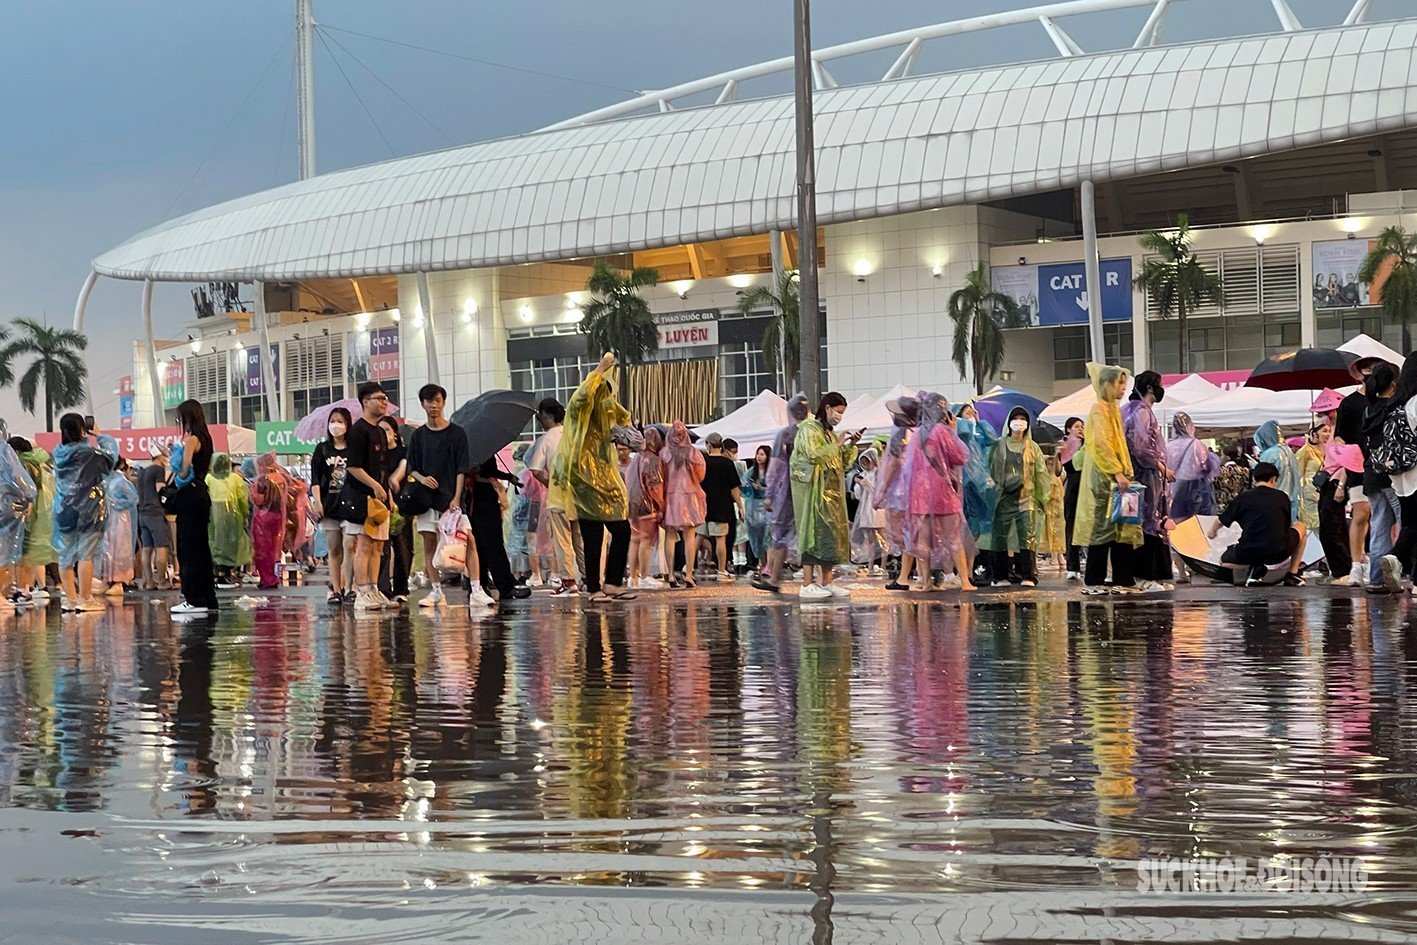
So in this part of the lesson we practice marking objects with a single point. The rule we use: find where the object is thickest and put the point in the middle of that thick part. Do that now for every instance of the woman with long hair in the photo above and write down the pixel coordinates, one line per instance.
(1070, 455)
(268, 502)
(1148, 451)
(685, 505)
(327, 472)
(755, 485)
(193, 507)
(1311, 460)
(397, 552)
(645, 485)
(820, 456)
(1106, 470)
(81, 469)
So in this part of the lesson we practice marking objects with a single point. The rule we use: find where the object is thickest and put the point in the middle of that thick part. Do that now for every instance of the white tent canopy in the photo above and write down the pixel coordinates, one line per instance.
(1191, 389)
(874, 417)
(755, 423)
(1248, 407)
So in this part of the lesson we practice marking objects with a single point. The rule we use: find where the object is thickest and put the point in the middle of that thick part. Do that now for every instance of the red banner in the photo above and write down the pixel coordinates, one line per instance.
(138, 444)
(1225, 380)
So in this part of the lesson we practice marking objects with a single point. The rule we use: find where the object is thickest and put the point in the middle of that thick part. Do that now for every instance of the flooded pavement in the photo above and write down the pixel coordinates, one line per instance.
(719, 768)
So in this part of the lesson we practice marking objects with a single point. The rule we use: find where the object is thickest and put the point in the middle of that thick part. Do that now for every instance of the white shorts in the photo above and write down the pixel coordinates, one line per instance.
(1356, 496)
(427, 521)
(329, 525)
(357, 528)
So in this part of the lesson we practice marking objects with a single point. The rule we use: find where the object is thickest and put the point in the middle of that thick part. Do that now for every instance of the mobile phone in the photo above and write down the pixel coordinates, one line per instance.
(88, 423)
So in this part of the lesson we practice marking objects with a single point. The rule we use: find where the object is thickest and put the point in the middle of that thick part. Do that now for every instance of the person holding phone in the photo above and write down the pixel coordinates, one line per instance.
(820, 456)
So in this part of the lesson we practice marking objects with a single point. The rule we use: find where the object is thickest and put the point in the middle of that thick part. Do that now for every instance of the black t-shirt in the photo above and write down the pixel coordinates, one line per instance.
(1263, 516)
(441, 454)
(1348, 424)
(150, 480)
(367, 447)
(327, 469)
(720, 479)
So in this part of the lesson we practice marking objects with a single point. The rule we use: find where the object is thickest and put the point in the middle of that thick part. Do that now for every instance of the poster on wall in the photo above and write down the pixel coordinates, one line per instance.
(1336, 265)
(247, 377)
(1063, 292)
(687, 334)
(373, 355)
(1019, 283)
(174, 383)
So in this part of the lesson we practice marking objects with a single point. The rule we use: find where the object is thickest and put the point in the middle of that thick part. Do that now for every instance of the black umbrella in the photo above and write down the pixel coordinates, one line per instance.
(1045, 433)
(493, 419)
(1304, 369)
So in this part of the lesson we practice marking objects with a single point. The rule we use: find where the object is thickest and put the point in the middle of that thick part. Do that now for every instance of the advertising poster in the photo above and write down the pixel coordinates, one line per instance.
(174, 383)
(384, 354)
(1019, 283)
(1336, 265)
(247, 377)
(1062, 292)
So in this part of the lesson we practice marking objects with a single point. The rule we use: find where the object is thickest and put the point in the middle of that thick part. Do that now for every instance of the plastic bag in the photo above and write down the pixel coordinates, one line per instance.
(453, 531)
(1127, 506)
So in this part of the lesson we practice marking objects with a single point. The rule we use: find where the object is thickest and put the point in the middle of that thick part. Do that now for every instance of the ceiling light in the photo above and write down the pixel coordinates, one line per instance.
(526, 313)
(682, 287)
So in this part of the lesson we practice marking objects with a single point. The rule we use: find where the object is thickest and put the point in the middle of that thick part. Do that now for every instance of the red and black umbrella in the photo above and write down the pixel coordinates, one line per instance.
(1304, 369)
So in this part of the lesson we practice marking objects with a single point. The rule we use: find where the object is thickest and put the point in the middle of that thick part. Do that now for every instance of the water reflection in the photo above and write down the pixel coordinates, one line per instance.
(914, 749)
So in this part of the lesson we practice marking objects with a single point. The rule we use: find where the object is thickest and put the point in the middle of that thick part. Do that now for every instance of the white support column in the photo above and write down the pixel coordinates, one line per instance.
(154, 379)
(274, 401)
(775, 254)
(79, 307)
(1092, 269)
(430, 343)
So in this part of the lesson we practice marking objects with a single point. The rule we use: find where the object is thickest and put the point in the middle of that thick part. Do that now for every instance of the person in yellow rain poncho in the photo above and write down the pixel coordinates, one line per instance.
(1106, 468)
(587, 474)
(1049, 527)
(39, 527)
(818, 472)
(227, 531)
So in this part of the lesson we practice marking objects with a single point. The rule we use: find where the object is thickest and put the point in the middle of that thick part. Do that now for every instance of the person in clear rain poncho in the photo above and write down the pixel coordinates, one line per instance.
(777, 499)
(81, 467)
(231, 506)
(1194, 466)
(977, 488)
(933, 530)
(268, 499)
(868, 529)
(892, 482)
(820, 456)
(17, 500)
(589, 470)
(1270, 442)
(1021, 477)
(120, 532)
(645, 482)
(39, 527)
(1152, 564)
(1106, 468)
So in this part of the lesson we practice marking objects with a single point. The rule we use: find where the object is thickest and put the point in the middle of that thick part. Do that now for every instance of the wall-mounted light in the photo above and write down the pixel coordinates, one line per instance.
(363, 319)
(1006, 375)
(196, 344)
(740, 281)
(1352, 236)
(240, 346)
(325, 332)
(1351, 225)
(467, 318)
(395, 314)
(573, 314)
(862, 268)
(418, 320)
(1261, 233)
(526, 313)
(1023, 260)
(469, 306)
(936, 271)
(682, 287)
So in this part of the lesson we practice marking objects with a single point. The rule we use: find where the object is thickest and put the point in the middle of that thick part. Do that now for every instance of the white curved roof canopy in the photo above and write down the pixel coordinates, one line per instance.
(727, 170)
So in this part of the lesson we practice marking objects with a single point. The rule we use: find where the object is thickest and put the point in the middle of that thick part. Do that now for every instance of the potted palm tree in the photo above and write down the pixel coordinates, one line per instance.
(618, 319)
(1398, 295)
(978, 339)
(1175, 279)
(782, 332)
(57, 366)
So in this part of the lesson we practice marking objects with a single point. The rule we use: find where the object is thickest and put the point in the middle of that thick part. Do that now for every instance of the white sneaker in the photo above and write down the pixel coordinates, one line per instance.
(1391, 570)
(533, 581)
(839, 592)
(479, 597)
(1073, 576)
(366, 602)
(813, 592)
(649, 584)
(1358, 575)
(1028, 582)
(434, 597)
(179, 608)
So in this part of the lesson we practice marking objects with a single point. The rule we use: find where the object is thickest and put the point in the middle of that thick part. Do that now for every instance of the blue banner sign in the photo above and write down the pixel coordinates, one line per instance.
(1062, 292)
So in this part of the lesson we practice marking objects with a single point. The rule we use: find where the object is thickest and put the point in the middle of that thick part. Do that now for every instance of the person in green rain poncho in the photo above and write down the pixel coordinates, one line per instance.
(1106, 468)
(587, 470)
(227, 530)
(39, 527)
(818, 472)
(1021, 476)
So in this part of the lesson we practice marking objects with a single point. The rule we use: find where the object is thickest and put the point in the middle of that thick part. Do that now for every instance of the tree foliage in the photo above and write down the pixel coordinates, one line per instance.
(1398, 295)
(57, 367)
(1175, 278)
(783, 332)
(978, 339)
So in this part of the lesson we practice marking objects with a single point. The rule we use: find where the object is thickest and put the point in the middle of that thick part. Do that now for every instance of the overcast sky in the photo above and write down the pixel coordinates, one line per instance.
(122, 115)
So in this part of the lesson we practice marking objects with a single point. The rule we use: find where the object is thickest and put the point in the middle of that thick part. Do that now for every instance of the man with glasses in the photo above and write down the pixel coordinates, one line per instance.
(367, 476)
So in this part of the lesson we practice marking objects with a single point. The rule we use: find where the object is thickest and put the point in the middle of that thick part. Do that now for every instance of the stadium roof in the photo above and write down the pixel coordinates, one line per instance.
(593, 186)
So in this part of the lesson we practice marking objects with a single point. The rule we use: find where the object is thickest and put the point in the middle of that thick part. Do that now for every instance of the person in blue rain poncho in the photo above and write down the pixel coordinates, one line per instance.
(980, 494)
(120, 532)
(1270, 442)
(17, 495)
(81, 467)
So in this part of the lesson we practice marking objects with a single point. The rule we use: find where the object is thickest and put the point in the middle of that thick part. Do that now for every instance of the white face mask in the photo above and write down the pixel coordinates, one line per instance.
(1018, 426)
(337, 430)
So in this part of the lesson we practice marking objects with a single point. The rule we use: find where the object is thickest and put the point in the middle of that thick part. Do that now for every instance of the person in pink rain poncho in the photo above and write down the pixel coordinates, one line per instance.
(685, 505)
(932, 525)
(268, 499)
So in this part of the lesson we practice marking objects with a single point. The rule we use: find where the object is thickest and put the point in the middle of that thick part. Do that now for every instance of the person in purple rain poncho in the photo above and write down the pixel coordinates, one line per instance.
(892, 494)
(1194, 466)
(782, 522)
(1148, 452)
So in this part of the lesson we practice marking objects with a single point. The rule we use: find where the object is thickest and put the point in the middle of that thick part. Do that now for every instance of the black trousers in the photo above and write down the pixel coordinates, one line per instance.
(1333, 530)
(1121, 556)
(1018, 566)
(1070, 514)
(486, 521)
(395, 559)
(1152, 561)
(194, 553)
(617, 558)
(1405, 548)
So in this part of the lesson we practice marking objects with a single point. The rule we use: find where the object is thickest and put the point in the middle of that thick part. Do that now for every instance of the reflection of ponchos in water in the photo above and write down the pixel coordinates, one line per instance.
(818, 472)
(115, 559)
(231, 505)
(39, 527)
(81, 500)
(1275, 450)
(17, 495)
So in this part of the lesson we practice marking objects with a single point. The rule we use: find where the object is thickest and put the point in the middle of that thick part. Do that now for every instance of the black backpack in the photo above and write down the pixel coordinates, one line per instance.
(1396, 449)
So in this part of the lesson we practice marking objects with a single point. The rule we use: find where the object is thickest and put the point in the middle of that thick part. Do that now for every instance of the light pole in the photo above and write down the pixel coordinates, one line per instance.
(809, 327)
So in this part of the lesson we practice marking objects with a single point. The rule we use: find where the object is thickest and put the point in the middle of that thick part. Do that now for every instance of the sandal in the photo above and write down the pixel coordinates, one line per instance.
(690, 583)
(897, 586)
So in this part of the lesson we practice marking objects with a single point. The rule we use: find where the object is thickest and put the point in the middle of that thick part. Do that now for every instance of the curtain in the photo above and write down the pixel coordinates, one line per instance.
(664, 391)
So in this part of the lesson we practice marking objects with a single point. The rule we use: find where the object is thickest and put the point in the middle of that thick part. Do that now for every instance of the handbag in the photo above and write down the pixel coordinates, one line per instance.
(1321, 479)
(167, 495)
(1126, 505)
(414, 499)
(349, 506)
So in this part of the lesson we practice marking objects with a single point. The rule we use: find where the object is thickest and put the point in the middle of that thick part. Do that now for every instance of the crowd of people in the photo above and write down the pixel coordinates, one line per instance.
(602, 507)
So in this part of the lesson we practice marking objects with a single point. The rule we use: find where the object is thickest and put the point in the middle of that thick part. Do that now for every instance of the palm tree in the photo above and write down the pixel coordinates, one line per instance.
(56, 365)
(1398, 294)
(979, 341)
(617, 319)
(783, 331)
(1176, 279)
